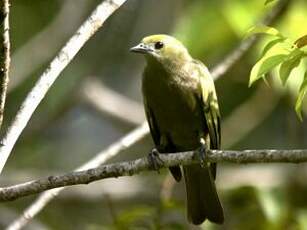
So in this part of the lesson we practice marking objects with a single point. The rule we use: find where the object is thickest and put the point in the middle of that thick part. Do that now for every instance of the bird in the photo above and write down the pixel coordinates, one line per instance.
(183, 114)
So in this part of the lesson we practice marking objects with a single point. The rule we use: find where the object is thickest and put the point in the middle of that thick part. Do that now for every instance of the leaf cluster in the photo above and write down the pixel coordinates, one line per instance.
(283, 53)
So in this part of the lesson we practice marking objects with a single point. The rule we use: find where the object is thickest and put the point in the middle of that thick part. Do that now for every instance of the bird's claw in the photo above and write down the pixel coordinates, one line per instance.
(154, 160)
(203, 155)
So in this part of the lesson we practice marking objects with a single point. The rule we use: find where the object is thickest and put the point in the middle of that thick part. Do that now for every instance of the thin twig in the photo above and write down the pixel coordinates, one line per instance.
(130, 168)
(123, 143)
(5, 55)
(89, 27)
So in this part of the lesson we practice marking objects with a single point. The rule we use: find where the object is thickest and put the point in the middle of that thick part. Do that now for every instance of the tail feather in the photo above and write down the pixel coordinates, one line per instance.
(202, 199)
(176, 172)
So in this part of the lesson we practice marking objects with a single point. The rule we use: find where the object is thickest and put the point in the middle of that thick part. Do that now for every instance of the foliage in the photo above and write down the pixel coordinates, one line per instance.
(280, 51)
(268, 1)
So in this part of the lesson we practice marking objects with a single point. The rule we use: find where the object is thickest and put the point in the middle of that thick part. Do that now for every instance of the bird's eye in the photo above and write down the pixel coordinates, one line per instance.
(159, 45)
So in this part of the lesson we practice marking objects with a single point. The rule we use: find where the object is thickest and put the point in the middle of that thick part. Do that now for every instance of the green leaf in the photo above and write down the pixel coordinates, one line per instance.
(264, 65)
(287, 66)
(270, 44)
(273, 57)
(263, 29)
(301, 42)
(268, 1)
(301, 94)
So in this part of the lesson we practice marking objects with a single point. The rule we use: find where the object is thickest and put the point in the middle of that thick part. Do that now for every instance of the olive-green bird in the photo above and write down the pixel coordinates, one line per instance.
(183, 114)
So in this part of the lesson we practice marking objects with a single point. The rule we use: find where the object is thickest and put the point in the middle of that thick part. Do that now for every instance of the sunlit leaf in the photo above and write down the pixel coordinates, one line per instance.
(268, 1)
(302, 219)
(245, 199)
(264, 65)
(263, 29)
(270, 44)
(299, 101)
(301, 42)
(273, 57)
(287, 66)
(271, 206)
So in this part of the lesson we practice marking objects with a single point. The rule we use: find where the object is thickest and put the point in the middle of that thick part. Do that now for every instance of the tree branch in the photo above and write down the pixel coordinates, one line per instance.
(89, 27)
(123, 143)
(5, 55)
(130, 168)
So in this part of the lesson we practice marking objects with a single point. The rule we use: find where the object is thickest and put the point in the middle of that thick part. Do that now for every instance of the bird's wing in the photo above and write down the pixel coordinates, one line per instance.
(210, 105)
(153, 126)
(156, 136)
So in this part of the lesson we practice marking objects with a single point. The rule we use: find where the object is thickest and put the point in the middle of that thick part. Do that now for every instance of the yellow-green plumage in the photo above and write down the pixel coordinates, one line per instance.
(182, 110)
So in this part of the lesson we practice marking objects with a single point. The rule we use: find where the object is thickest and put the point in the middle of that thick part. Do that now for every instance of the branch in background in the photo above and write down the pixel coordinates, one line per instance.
(89, 27)
(108, 101)
(230, 60)
(130, 168)
(9, 214)
(60, 28)
(258, 176)
(123, 143)
(5, 55)
(248, 115)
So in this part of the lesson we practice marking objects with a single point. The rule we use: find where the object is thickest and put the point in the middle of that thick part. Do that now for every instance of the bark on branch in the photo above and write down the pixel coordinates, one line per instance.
(130, 168)
(5, 54)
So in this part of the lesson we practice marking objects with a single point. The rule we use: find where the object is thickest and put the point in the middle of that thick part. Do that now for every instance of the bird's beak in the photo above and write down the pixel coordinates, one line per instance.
(141, 48)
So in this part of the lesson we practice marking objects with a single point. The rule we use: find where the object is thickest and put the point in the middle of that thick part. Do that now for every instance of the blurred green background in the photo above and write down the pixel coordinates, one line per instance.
(67, 129)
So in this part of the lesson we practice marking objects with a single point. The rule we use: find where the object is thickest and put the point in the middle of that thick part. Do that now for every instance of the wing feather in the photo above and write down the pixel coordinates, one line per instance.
(153, 126)
(210, 105)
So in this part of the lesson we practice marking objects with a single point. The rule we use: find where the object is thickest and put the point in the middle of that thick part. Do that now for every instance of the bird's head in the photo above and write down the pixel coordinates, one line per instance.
(162, 48)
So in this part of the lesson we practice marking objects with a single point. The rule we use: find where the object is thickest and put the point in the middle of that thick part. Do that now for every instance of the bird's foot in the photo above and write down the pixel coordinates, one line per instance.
(154, 160)
(203, 154)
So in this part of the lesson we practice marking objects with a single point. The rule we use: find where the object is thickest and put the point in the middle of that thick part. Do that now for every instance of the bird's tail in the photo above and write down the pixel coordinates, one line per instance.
(202, 199)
